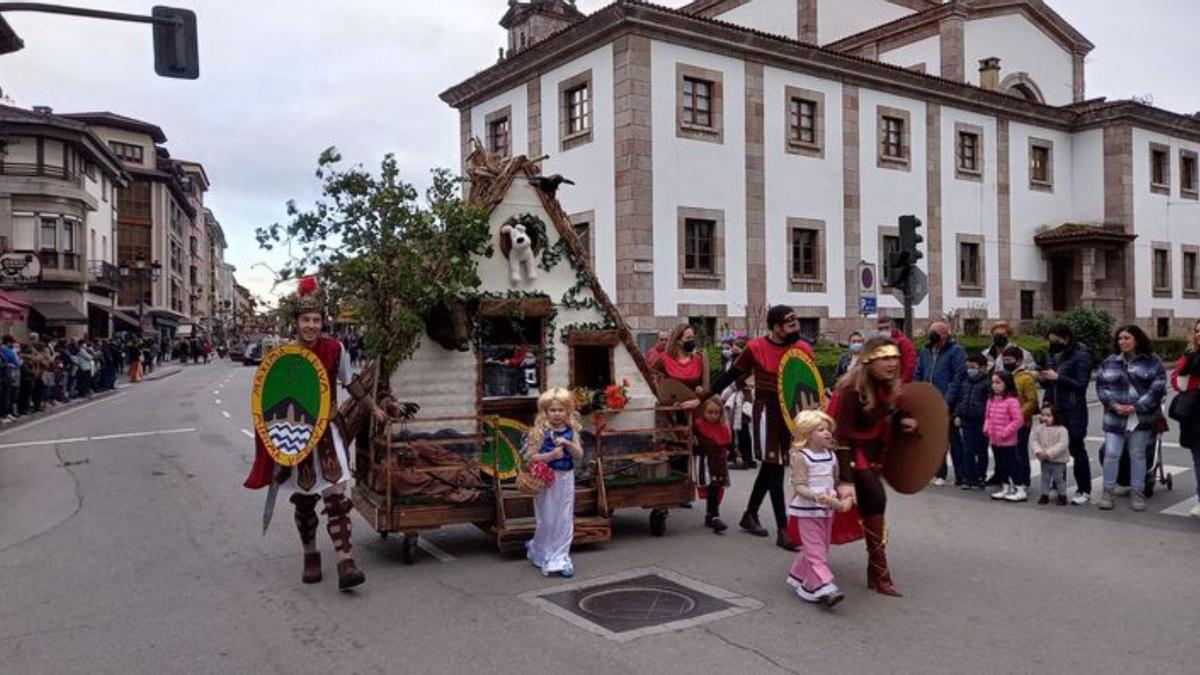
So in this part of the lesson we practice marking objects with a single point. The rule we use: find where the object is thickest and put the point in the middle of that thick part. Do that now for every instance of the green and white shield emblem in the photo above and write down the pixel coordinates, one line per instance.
(800, 386)
(291, 403)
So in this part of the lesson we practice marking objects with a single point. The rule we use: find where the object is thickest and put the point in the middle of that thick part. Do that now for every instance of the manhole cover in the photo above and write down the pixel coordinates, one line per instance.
(640, 602)
(637, 604)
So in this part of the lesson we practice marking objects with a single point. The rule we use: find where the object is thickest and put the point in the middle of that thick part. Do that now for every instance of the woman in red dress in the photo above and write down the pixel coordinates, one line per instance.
(684, 362)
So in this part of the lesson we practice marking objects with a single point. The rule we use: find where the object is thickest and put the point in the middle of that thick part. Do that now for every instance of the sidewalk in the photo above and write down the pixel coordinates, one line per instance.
(161, 372)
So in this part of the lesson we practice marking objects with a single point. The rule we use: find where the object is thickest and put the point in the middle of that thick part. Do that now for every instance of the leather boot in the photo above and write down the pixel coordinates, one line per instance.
(879, 578)
(306, 525)
(783, 541)
(337, 509)
(750, 524)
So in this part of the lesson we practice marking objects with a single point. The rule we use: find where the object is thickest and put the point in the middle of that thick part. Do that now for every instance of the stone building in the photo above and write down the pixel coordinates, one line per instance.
(732, 154)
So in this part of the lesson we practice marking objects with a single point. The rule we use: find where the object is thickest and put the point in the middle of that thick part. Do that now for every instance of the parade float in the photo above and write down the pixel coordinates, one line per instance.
(538, 319)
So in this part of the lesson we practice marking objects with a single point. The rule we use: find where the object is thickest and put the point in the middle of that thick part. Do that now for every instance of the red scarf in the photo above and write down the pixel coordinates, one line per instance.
(717, 433)
(689, 372)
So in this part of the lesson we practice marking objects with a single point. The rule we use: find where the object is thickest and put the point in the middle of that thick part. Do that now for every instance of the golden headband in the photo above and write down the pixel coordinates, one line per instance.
(881, 352)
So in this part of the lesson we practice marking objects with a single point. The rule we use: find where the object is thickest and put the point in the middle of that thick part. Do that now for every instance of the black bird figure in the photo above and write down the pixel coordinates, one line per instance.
(549, 184)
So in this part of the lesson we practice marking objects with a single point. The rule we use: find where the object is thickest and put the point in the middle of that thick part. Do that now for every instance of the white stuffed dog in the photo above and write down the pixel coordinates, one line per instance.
(521, 255)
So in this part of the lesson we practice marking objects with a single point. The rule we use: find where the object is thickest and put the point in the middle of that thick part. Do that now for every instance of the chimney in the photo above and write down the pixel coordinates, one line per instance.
(43, 110)
(989, 73)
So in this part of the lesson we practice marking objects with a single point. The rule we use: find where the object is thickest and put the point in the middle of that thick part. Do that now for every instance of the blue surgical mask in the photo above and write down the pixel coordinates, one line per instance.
(972, 372)
(856, 347)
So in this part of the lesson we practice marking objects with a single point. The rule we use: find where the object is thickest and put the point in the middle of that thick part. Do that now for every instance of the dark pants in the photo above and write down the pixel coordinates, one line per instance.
(745, 443)
(6, 395)
(769, 479)
(1021, 471)
(975, 451)
(956, 456)
(83, 385)
(1006, 459)
(1082, 465)
(712, 502)
(868, 490)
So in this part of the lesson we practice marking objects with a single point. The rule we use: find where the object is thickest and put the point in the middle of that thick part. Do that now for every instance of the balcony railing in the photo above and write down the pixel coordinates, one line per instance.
(40, 171)
(104, 273)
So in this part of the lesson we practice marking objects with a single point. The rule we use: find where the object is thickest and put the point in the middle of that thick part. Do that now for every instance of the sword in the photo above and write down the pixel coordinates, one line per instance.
(269, 507)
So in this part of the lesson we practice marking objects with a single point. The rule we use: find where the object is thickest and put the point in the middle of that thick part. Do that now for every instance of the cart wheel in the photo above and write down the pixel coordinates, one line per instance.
(658, 522)
(1170, 482)
(408, 550)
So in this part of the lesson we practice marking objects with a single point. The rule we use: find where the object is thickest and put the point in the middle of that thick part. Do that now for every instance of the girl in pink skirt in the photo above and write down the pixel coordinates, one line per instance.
(814, 479)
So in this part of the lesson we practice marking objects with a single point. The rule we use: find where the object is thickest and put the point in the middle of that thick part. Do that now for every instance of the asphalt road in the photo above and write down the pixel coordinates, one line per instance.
(127, 545)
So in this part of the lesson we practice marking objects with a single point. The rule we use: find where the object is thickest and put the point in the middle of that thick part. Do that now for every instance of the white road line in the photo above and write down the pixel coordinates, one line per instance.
(225, 413)
(139, 434)
(1183, 508)
(217, 401)
(427, 546)
(248, 433)
(58, 414)
(108, 437)
(215, 392)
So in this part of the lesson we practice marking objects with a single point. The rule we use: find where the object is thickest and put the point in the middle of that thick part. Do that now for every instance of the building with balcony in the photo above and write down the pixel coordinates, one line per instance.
(219, 291)
(154, 222)
(59, 184)
(198, 277)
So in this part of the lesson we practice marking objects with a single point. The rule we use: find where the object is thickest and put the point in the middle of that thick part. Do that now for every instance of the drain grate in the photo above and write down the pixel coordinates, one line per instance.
(640, 602)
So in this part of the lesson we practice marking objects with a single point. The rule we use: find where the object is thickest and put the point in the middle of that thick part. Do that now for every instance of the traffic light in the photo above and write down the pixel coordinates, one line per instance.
(176, 52)
(910, 240)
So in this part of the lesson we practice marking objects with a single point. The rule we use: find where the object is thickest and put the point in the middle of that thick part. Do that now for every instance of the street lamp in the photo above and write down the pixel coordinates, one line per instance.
(142, 273)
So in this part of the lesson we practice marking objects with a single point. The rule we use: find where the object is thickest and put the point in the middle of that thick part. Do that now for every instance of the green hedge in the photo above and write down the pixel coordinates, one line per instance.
(1169, 349)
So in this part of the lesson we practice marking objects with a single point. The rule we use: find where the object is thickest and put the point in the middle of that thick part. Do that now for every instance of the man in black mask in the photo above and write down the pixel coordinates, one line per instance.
(1065, 379)
(1001, 338)
(772, 438)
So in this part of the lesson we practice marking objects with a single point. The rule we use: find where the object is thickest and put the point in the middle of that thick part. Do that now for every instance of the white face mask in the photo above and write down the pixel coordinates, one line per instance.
(885, 333)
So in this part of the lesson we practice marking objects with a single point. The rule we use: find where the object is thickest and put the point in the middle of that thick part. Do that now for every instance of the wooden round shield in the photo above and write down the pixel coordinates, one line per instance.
(800, 386)
(673, 392)
(291, 403)
(913, 459)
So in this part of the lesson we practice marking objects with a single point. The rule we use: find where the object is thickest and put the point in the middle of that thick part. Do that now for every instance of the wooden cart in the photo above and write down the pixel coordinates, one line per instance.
(648, 468)
(499, 509)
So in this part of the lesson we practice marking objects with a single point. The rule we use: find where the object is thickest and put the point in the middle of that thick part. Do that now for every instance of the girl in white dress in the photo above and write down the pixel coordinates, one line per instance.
(554, 440)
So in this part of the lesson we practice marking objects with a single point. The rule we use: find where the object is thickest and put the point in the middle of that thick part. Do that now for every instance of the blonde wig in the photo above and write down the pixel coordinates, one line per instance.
(541, 423)
(807, 423)
(863, 383)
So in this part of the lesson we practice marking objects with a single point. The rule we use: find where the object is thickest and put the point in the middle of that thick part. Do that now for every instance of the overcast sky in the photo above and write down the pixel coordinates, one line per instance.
(279, 84)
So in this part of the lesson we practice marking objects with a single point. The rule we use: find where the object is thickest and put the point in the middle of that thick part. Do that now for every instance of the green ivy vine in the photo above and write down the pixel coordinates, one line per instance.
(480, 329)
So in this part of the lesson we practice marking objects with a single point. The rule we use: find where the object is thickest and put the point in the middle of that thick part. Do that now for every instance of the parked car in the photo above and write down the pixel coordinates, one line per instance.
(236, 352)
(252, 354)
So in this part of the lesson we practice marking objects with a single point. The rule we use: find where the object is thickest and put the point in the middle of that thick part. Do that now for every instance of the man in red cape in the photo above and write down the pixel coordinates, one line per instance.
(325, 472)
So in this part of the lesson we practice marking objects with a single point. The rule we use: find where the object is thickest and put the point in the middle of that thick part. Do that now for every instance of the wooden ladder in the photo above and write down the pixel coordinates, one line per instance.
(515, 522)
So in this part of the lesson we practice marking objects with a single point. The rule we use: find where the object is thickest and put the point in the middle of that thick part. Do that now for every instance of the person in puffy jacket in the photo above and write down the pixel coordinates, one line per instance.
(968, 417)
(1049, 442)
(943, 363)
(1066, 378)
(1131, 385)
(1001, 423)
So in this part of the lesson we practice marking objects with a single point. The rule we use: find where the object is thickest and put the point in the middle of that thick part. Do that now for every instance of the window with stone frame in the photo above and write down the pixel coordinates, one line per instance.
(575, 110)
(1162, 326)
(48, 240)
(698, 246)
(584, 223)
(699, 103)
(499, 132)
(968, 155)
(127, 152)
(1028, 303)
(1162, 269)
(802, 120)
(806, 255)
(970, 264)
(1041, 164)
(804, 113)
(1190, 256)
(893, 138)
(1160, 169)
(1189, 179)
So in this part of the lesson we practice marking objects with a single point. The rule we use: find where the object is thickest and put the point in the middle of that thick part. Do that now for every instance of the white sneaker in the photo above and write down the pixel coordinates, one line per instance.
(1081, 498)
(806, 596)
(1195, 512)
(1122, 490)
(938, 482)
(1017, 495)
(1005, 490)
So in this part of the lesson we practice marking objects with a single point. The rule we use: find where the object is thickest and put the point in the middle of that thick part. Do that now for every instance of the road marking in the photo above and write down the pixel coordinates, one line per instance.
(1183, 508)
(428, 546)
(139, 434)
(107, 437)
(217, 401)
(225, 413)
(64, 412)
(247, 432)
(215, 392)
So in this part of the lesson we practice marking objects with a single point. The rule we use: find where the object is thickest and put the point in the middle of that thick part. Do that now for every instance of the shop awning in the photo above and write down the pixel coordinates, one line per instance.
(127, 319)
(10, 311)
(14, 300)
(59, 313)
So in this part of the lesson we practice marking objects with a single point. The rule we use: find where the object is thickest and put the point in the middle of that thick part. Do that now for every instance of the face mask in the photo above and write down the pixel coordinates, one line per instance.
(934, 339)
(1000, 340)
(1010, 367)
(884, 333)
(972, 372)
(791, 338)
(726, 353)
(1057, 347)
(856, 347)
(689, 346)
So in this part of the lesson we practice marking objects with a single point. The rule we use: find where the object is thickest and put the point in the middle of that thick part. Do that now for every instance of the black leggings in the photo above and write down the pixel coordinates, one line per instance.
(872, 498)
(769, 479)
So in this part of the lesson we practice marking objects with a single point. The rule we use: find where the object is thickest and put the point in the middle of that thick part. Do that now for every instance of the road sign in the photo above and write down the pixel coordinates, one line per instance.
(867, 293)
(920, 286)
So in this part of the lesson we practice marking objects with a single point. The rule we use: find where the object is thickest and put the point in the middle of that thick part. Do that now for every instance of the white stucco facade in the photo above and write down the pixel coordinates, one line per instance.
(927, 52)
(1022, 47)
(969, 209)
(778, 17)
(837, 19)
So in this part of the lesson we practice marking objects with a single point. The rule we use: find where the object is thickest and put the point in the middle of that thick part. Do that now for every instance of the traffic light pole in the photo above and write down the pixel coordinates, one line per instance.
(908, 305)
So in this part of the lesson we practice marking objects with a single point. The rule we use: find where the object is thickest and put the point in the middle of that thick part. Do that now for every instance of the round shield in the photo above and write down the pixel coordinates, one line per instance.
(913, 459)
(673, 392)
(291, 403)
(800, 386)
(502, 448)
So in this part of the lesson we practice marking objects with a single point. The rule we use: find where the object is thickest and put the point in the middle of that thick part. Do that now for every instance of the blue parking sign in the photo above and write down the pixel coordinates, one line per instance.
(866, 305)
